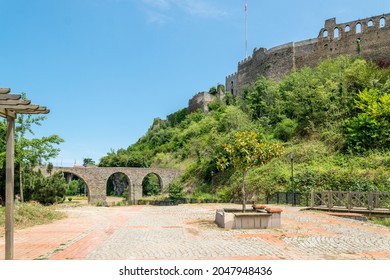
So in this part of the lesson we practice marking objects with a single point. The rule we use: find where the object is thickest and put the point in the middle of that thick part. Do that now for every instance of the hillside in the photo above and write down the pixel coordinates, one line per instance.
(334, 118)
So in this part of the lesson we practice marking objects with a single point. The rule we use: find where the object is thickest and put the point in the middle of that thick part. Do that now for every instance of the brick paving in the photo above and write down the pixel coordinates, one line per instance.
(188, 232)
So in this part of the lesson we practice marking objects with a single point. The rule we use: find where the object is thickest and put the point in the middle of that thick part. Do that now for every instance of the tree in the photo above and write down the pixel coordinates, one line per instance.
(151, 185)
(259, 98)
(88, 162)
(72, 188)
(175, 191)
(244, 152)
(31, 152)
(49, 168)
(371, 127)
(48, 190)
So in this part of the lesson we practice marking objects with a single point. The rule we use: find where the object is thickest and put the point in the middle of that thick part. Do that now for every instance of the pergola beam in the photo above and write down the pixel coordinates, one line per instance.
(6, 103)
(5, 113)
(5, 90)
(10, 96)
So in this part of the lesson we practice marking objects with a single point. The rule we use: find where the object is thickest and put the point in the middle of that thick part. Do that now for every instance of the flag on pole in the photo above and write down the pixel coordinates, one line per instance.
(246, 31)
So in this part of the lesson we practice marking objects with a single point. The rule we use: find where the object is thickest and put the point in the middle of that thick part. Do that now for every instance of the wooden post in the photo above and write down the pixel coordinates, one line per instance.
(370, 201)
(312, 199)
(376, 200)
(330, 202)
(9, 187)
(349, 203)
(339, 196)
(323, 199)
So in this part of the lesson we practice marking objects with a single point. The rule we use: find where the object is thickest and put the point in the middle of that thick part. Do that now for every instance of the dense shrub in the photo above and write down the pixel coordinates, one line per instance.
(45, 190)
(175, 190)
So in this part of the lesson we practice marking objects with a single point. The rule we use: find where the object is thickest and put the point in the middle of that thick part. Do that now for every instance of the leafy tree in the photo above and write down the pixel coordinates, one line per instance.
(175, 190)
(285, 129)
(177, 117)
(245, 152)
(371, 127)
(234, 119)
(259, 98)
(124, 158)
(49, 168)
(48, 190)
(29, 152)
(229, 99)
(88, 162)
(72, 188)
(151, 185)
(213, 90)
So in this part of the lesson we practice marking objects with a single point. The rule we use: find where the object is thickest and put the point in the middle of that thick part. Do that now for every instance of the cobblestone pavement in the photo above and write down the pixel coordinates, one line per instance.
(188, 232)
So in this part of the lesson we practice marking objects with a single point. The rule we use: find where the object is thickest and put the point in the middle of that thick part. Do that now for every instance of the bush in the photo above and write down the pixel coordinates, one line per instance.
(48, 190)
(175, 191)
(286, 129)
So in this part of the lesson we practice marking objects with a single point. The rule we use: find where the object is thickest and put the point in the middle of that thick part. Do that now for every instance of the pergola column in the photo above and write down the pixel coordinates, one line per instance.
(9, 189)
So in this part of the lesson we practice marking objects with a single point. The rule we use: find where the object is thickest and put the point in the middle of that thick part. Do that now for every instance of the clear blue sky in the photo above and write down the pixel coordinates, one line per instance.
(107, 68)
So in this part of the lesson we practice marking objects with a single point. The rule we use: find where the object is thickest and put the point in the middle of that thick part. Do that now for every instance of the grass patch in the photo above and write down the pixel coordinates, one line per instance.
(380, 221)
(31, 214)
(76, 198)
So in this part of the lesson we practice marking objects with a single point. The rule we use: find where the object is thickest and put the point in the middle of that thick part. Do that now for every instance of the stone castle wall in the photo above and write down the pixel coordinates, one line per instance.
(368, 37)
(200, 101)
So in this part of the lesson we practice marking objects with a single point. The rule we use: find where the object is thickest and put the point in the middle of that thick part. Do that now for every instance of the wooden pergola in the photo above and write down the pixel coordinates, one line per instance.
(10, 106)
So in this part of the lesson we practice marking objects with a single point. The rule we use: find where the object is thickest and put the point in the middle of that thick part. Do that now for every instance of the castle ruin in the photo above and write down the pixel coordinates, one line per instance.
(369, 38)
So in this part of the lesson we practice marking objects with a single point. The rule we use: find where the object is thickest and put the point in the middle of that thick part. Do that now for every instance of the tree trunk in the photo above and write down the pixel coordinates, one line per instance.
(243, 192)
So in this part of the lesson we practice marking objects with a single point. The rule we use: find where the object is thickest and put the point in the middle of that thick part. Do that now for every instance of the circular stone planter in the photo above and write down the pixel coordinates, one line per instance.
(252, 219)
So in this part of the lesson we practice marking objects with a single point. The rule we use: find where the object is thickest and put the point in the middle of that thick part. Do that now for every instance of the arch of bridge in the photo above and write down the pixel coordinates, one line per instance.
(96, 179)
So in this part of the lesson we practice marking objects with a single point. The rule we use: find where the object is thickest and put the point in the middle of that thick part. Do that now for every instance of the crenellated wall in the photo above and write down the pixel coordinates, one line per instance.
(369, 37)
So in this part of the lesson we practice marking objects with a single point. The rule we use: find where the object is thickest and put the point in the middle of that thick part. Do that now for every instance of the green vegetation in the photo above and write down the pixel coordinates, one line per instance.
(45, 190)
(334, 118)
(30, 152)
(175, 191)
(32, 213)
(244, 152)
(151, 185)
(380, 221)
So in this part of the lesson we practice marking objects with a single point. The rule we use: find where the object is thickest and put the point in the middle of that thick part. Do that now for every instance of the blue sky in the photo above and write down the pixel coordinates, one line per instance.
(107, 68)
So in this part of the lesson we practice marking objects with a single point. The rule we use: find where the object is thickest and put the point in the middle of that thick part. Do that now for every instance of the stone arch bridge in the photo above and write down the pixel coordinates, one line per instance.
(95, 179)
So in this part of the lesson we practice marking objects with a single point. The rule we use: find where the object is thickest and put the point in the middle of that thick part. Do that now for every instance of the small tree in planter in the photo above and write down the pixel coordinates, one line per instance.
(244, 152)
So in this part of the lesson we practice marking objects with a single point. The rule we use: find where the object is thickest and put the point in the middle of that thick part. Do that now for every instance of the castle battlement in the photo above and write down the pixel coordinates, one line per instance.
(369, 38)
(231, 75)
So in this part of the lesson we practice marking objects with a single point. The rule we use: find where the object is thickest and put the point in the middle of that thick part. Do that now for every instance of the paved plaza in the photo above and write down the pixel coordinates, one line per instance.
(188, 232)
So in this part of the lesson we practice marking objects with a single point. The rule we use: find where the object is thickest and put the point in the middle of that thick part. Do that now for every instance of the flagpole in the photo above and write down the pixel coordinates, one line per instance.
(246, 30)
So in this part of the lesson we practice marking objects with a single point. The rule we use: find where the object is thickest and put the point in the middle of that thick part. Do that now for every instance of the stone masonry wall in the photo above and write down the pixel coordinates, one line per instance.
(96, 179)
(200, 101)
(369, 37)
